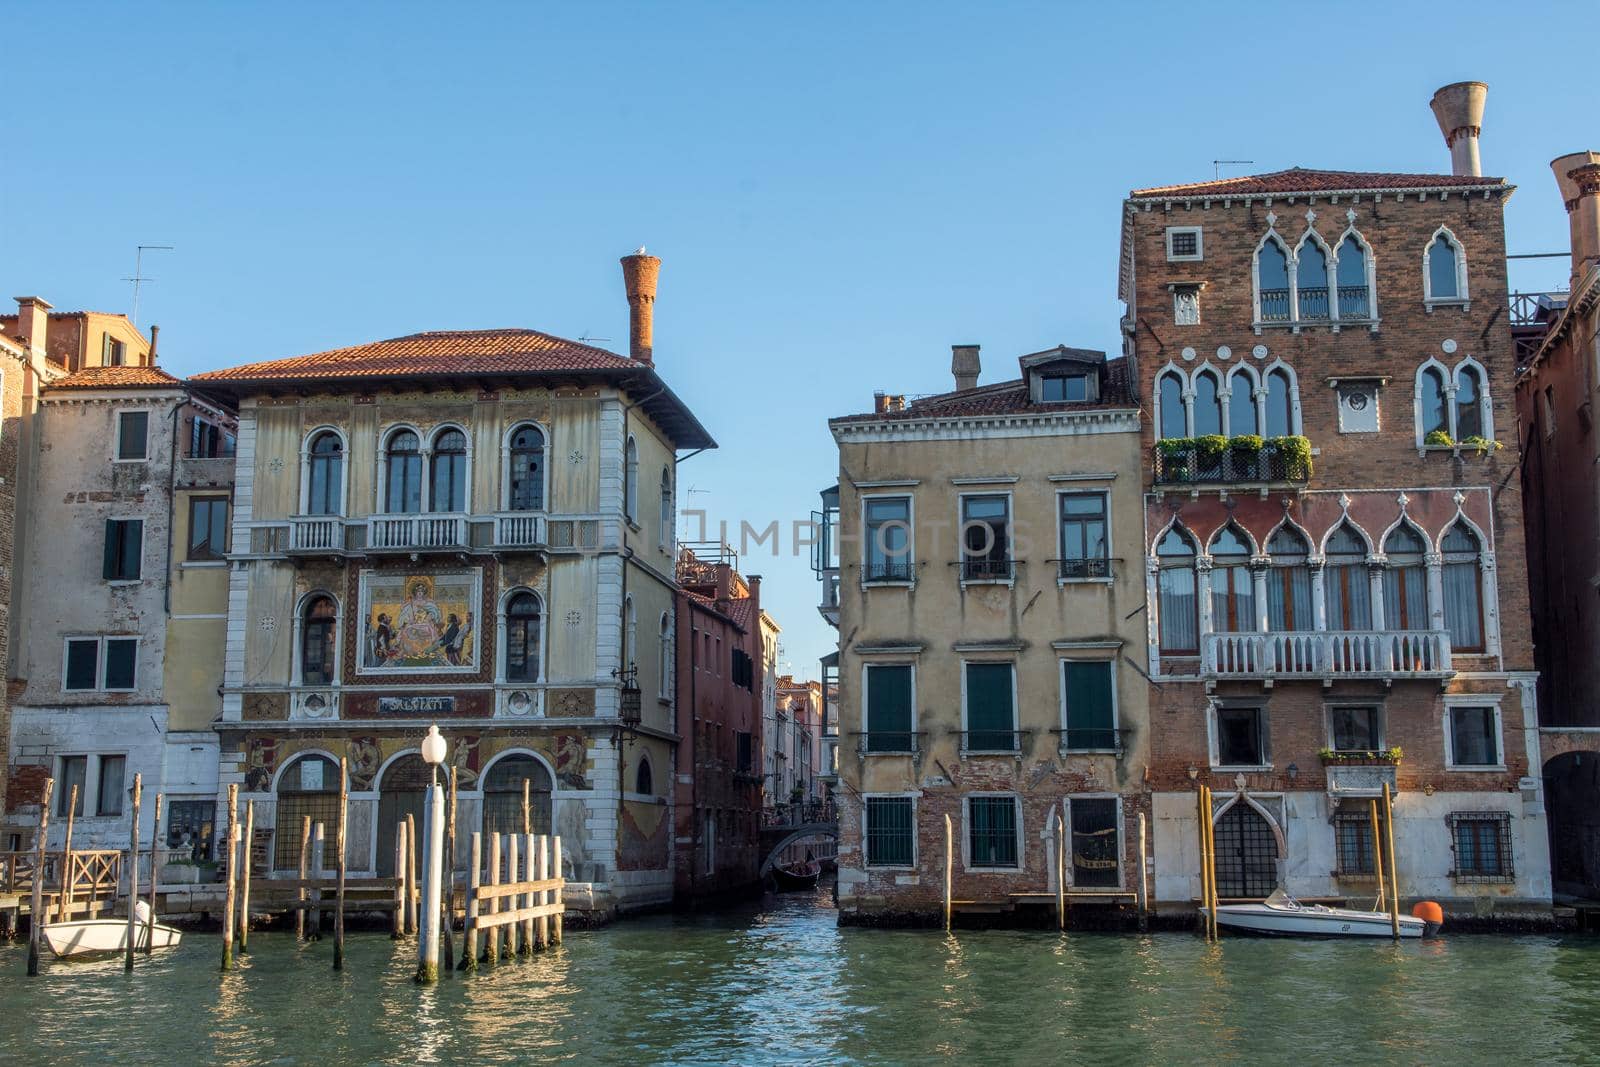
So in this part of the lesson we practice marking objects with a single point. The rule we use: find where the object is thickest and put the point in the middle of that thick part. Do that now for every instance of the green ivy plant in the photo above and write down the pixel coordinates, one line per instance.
(1246, 444)
(1437, 439)
(1481, 445)
(1210, 446)
(1296, 453)
(1387, 755)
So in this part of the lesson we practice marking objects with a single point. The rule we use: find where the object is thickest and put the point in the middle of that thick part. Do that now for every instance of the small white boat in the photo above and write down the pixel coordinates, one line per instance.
(94, 937)
(1282, 915)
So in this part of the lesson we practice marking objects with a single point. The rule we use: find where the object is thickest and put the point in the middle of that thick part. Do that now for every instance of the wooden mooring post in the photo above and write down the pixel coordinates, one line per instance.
(37, 904)
(1061, 872)
(302, 898)
(155, 876)
(532, 895)
(949, 858)
(558, 891)
(1394, 875)
(469, 931)
(244, 875)
(233, 875)
(513, 855)
(64, 901)
(411, 874)
(542, 872)
(339, 864)
(133, 876)
(1211, 867)
(398, 930)
(319, 865)
(1379, 855)
(1144, 879)
(492, 938)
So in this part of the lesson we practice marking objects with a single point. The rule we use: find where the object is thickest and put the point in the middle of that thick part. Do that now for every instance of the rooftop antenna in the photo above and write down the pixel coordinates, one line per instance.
(138, 278)
(586, 337)
(1218, 164)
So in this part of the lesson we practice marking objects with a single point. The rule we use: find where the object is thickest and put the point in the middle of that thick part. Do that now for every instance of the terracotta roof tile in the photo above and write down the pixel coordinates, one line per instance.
(1302, 180)
(437, 352)
(1003, 398)
(117, 378)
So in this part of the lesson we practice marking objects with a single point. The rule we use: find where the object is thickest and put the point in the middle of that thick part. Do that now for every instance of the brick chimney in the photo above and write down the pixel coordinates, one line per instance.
(155, 335)
(33, 321)
(965, 366)
(639, 272)
(1459, 109)
(1578, 178)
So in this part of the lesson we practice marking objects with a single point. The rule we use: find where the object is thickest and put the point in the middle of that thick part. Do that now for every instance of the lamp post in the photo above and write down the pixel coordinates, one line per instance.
(433, 754)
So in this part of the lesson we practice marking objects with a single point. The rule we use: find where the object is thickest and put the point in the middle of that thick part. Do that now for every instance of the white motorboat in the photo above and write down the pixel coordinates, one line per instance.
(94, 937)
(1282, 915)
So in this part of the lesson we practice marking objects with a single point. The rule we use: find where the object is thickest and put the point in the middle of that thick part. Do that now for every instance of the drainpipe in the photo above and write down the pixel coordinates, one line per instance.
(172, 509)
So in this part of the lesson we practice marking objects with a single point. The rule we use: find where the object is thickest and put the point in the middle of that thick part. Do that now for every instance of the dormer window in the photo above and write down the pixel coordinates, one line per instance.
(1059, 387)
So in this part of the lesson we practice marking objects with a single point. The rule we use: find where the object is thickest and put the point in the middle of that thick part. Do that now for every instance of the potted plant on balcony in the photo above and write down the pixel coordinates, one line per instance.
(1380, 757)
(1209, 450)
(1481, 446)
(1291, 455)
(1177, 458)
(1438, 439)
(1244, 455)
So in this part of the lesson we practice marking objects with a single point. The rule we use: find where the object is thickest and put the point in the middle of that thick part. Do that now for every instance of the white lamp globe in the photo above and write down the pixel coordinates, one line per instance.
(433, 747)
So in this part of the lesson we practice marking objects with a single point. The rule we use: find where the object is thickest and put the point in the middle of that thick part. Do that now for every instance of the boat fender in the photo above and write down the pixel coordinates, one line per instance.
(141, 911)
(1431, 914)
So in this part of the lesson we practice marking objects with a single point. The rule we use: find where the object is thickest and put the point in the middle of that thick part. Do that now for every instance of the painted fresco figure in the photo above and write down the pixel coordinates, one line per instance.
(419, 625)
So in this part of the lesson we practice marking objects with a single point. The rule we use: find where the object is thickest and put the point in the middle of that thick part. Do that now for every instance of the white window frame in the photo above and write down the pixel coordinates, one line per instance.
(116, 438)
(866, 711)
(1330, 706)
(427, 469)
(1448, 733)
(101, 648)
(1452, 383)
(344, 470)
(916, 851)
(297, 673)
(667, 646)
(1370, 263)
(1271, 236)
(505, 464)
(381, 489)
(1463, 298)
(1116, 711)
(502, 634)
(1016, 712)
(1199, 244)
(1122, 842)
(630, 481)
(666, 525)
(1061, 547)
(136, 579)
(966, 832)
(1296, 426)
(1331, 264)
(1213, 741)
(911, 540)
(961, 540)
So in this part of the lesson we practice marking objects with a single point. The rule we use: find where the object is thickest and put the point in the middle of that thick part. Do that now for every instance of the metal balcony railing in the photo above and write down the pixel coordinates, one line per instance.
(1354, 302)
(1190, 465)
(1327, 654)
(888, 570)
(1093, 739)
(1084, 568)
(997, 742)
(1313, 305)
(1274, 305)
(892, 742)
(985, 569)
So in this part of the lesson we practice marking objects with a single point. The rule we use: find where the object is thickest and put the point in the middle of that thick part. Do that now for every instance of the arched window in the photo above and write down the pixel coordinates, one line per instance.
(1405, 580)
(502, 796)
(449, 464)
(1280, 404)
(1345, 583)
(1272, 281)
(319, 623)
(1233, 599)
(522, 638)
(1311, 280)
(643, 782)
(630, 481)
(308, 787)
(1442, 269)
(403, 483)
(1463, 588)
(526, 476)
(666, 651)
(1432, 410)
(1242, 402)
(1180, 618)
(1174, 423)
(630, 639)
(1289, 582)
(666, 510)
(1207, 404)
(325, 475)
(1469, 403)
(1355, 300)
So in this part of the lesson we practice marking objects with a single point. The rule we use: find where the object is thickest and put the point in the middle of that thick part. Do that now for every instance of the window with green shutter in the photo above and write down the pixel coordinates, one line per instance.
(991, 715)
(124, 547)
(888, 716)
(891, 832)
(992, 831)
(1091, 718)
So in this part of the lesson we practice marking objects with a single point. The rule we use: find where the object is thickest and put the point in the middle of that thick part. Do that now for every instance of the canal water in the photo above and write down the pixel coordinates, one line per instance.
(779, 982)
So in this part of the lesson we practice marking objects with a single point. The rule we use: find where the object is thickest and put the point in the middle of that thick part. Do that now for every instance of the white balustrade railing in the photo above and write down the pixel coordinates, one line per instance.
(403, 532)
(518, 529)
(316, 533)
(1327, 653)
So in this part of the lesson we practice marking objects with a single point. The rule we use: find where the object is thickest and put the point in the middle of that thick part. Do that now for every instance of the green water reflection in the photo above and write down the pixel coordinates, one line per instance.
(781, 983)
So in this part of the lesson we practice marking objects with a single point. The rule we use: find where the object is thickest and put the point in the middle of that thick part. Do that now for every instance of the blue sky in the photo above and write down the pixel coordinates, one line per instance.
(838, 191)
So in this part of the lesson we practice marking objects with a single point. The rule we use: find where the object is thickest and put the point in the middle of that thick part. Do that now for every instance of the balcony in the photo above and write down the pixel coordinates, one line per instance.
(1326, 655)
(316, 533)
(889, 743)
(519, 529)
(829, 608)
(1092, 739)
(1241, 461)
(203, 472)
(986, 569)
(412, 533)
(1360, 780)
(993, 742)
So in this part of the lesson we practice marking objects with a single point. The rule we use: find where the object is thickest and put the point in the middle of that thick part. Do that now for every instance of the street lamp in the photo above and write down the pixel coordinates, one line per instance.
(434, 751)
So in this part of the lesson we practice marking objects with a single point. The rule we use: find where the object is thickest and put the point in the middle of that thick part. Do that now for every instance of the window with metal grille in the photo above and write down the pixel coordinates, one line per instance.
(502, 796)
(891, 832)
(1247, 854)
(1096, 842)
(190, 827)
(1354, 853)
(308, 787)
(1183, 243)
(1481, 841)
(992, 831)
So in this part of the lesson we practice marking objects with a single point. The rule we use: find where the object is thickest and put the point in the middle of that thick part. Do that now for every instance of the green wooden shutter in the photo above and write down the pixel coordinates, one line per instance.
(1090, 723)
(108, 562)
(888, 708)
(991, 722)
(132, 549)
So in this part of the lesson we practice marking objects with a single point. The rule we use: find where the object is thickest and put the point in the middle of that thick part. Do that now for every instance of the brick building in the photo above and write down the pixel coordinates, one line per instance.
(1334, 554)
(474, 528)
(799, 745)
(991, 661)
(720, 682)
(1556, 399)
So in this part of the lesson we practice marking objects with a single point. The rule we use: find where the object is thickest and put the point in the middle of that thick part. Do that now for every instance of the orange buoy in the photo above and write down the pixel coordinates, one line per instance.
(1431, 914)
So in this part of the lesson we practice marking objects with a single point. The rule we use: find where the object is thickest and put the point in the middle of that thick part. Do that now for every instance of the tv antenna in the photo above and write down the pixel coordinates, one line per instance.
(138, 278)
(1218, 164)
(586, 338)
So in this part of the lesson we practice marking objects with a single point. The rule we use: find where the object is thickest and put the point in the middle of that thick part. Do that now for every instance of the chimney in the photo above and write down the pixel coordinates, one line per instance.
(1459, 109)
(1578, 178)
(33, 319)
(639, 273)
(155, 335)
(965, 366)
